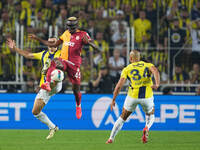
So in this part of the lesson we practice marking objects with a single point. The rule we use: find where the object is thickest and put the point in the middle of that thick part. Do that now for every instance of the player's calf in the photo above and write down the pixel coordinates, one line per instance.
(150, 117)
(77, 94)
(118, 125)
(37, 112)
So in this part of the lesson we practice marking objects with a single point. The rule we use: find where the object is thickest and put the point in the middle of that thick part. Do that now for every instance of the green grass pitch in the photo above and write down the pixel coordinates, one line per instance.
(95, 140)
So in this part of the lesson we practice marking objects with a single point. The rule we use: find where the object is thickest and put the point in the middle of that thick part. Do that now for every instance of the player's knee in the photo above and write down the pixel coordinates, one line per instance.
(59, 64)
(35, 112)
(124, 117)
(125, 114)
(75, 91)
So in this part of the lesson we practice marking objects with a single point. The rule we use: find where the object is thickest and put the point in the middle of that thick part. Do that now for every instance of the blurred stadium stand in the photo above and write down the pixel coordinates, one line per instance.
(167, 32)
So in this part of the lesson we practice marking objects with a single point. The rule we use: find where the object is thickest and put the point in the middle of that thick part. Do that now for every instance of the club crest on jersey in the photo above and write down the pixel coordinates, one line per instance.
(77, 37)
(69, 44)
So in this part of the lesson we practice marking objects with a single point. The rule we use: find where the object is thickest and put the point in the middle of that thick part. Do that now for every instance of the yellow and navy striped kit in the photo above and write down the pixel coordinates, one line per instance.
(43, 56)
(139, 76)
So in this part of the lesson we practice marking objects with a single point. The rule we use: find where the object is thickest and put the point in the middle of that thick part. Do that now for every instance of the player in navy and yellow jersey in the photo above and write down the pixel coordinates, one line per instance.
(140, 92)
(43, 96)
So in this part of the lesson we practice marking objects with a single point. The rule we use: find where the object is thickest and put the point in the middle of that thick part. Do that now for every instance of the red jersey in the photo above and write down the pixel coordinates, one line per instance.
(72, 46)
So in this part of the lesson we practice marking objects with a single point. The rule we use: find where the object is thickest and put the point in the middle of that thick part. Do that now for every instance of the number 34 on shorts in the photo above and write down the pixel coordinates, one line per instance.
(78, 73)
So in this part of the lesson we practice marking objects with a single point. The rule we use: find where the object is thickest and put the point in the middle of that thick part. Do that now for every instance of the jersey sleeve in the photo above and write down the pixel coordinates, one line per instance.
(124, 73)
(62, 36)
(38, 55)
(149, 65)
(87, 35)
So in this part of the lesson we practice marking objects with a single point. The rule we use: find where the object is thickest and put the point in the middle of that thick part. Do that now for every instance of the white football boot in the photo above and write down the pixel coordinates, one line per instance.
(52, 132)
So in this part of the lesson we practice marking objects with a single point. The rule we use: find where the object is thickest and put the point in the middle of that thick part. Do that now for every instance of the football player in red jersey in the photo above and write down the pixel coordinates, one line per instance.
(72, 41)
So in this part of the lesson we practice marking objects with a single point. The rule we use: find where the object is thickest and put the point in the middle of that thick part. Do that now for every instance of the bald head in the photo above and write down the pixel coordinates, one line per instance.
(134, 56)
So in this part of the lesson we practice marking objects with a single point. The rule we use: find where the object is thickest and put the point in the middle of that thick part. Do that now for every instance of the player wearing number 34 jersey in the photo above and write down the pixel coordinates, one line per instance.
(140, 79)
(140, 92)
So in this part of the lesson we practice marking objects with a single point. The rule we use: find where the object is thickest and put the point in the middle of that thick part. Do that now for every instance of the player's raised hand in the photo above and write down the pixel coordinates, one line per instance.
(112, 105)
(11, 43)
(32, 36)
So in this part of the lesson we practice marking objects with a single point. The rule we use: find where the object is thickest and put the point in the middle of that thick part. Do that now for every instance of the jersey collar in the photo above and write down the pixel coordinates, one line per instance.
(76, 31)
(52, 52)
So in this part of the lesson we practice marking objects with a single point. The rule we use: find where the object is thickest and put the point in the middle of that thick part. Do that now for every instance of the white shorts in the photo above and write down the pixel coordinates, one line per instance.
(131, 103)
(45, 95)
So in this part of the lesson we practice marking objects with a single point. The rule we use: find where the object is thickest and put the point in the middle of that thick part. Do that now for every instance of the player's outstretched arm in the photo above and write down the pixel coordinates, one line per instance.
(91, 43)
(117, 90)
(94, 46)
(45, 42)
(11, 44)
(156, 74)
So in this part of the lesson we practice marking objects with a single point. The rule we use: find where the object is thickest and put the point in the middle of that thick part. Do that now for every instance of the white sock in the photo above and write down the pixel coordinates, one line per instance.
(150, 120)
(117, 126)
(44, 119)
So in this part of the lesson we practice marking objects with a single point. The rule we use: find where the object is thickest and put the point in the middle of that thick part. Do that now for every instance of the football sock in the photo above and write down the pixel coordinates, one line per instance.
(78, 98)
(44, 119)
(117, 126)
(150, 120)
(51, 68)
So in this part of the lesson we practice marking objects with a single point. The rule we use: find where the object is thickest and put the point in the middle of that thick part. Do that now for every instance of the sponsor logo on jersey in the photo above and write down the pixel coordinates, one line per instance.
(101, 113)
(69, 44)
(77, 37)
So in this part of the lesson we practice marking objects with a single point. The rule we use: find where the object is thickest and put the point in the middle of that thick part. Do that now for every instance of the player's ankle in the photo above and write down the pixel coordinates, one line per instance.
(110, 138)
(78, 105)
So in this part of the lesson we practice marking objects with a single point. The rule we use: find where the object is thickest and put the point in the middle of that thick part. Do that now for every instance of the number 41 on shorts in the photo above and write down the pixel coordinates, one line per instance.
(78, 74)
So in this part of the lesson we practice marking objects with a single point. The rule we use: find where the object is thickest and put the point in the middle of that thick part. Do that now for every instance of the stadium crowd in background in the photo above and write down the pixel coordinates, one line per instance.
(162, 28)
